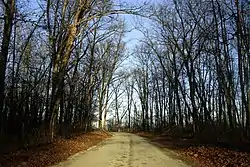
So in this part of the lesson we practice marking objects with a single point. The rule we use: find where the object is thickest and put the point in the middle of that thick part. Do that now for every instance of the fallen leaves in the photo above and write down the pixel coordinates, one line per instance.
(204, 156)
(53, 153)
(216, 157)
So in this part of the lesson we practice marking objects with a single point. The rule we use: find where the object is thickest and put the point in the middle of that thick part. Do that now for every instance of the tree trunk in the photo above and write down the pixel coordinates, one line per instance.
(7, 29)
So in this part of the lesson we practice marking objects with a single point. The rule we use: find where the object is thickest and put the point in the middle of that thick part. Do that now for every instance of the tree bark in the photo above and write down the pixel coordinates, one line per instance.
(7, 29)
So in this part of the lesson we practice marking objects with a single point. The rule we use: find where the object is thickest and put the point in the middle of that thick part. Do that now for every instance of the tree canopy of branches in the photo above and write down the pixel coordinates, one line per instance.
(192, 72)
(57, 61)
(193, 69)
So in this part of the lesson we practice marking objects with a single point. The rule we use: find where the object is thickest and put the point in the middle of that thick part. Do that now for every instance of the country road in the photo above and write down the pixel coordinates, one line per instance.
(123, 150)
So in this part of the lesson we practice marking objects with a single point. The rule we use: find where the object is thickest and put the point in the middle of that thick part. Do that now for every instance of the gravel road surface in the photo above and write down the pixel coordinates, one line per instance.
(123, 150)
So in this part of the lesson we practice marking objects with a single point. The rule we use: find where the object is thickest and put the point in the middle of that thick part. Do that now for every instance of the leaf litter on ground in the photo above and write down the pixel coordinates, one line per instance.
(216, 156)
(51, 154)
(201, 155)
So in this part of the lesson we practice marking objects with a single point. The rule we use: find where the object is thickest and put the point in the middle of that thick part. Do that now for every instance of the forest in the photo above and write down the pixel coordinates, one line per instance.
(64, 66)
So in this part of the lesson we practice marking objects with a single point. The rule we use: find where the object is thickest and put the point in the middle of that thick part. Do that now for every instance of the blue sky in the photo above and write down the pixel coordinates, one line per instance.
(132, 37)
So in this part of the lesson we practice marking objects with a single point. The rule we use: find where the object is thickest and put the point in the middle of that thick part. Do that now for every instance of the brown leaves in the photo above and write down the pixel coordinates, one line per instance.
(50, 154)
(203, 155)
(216, 157)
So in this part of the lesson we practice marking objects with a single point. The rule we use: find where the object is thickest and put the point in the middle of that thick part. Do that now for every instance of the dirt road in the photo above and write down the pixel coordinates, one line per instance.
(123, 150)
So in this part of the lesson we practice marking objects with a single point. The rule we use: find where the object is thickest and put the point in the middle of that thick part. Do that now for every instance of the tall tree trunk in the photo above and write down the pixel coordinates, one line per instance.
(7, 29)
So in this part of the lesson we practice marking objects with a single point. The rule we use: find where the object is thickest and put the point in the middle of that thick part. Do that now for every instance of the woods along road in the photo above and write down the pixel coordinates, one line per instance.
(123, 150)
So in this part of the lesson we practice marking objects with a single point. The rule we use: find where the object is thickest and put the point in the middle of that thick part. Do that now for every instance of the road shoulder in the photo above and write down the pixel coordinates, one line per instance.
(56, 152)
(169, 152)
